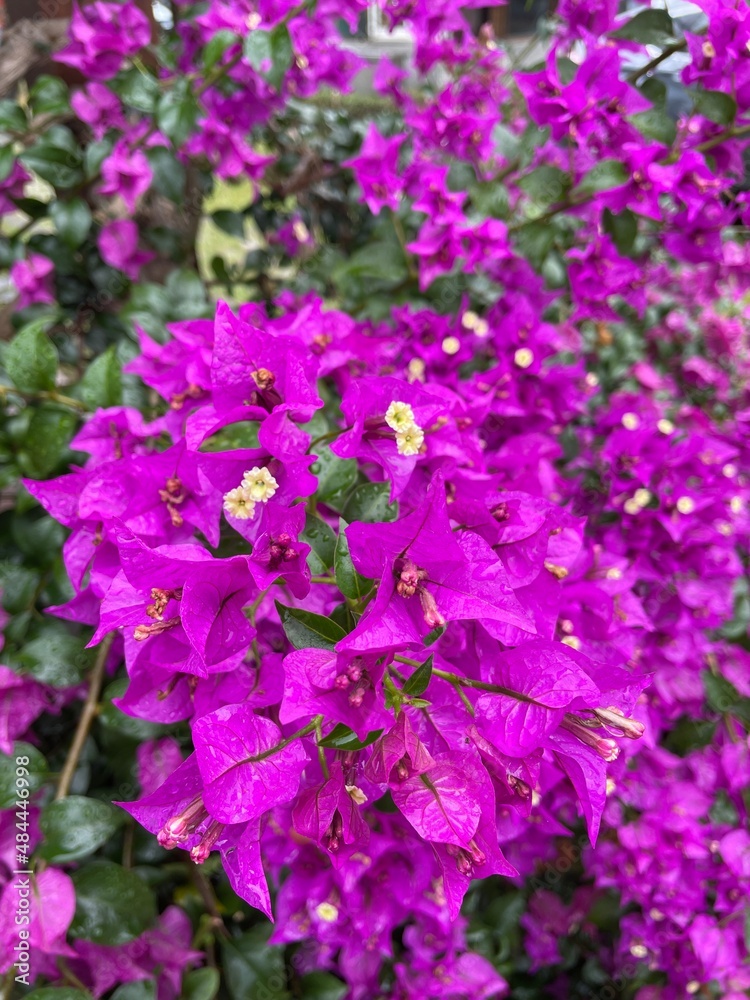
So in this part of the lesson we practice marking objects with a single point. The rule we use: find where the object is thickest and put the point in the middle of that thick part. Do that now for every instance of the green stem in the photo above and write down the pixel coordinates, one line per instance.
(278, 747)
(44, 395)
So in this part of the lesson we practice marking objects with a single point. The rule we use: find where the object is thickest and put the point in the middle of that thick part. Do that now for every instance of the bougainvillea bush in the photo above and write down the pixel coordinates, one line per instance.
(377, 612)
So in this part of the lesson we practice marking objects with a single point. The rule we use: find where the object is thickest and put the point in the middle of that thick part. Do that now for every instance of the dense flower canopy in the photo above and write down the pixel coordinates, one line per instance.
(408, 594)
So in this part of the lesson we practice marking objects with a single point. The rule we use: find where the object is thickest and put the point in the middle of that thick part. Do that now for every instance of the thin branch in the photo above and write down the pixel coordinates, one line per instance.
(88, 715)
(657, 60)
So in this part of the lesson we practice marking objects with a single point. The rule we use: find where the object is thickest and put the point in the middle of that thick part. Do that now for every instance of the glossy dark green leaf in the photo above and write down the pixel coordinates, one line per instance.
(544, 184)
(656, 124)
(715, 105)
(257, 49)
(113, 905)
(7, 161)
(50, 430)
(101, 384)
(649, 27)
(321, 538)
(217, 46)
(200, 984)
(138, 90)
(420, 679)
(370, 503)
(49, 95)
(342, 737)
(141, 989)
(623, 228)
(37, 776)
(55, 657)
(282, 55)
(321, 986)
(350, 583)
(177, 111)
(169, 173)
(306, 630)
(253, 970)
(75, 827)
(724, 697)
(336, 476)
(604, 176)
(56, 158)
(72, 219)
(31, 358)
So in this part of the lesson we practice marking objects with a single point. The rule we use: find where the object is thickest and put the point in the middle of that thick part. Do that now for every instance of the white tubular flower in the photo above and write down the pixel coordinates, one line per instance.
(259, 484)
(400, 417)
(410, 441)
(238, 503)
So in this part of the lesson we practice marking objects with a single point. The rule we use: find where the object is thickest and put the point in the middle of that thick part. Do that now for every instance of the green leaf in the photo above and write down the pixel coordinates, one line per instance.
(18, 586)
(723, 696)
(282, 55)
(380, 261)
(623, 228)
(322, 540)
(75, 827)
(55, 657)
(723, 810)
(96, 153)
(369, 503)
(200, 984)
(12, 118)
(257, 49)
(57, 993)
(7, 160)
(72, 219)
(715, 105)
(56, 158)
(605, 175)
(31, 358)
(177, 111)
(306, 630)
(433, 636)
(138, 90)
(420, 679)
(101, 385)
(252, 969)
(350, 583)
(341, 737)
(169, 173)
(535, 240)
(649, 27)
(655, 124)
(37, 768)
(113, 905)
(116, 723)
(49, 95)
(217, 46)
(545, 184)
(336, 476)
(141, 989)
(232, 223)
(321, 986)
(50, 431)
(689, 734)
(32, 207)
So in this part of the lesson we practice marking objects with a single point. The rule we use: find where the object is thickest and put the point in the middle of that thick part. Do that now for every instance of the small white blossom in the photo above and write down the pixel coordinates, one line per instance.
(238, 503)
(259, 484)
(400, 417)
(410, 441)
